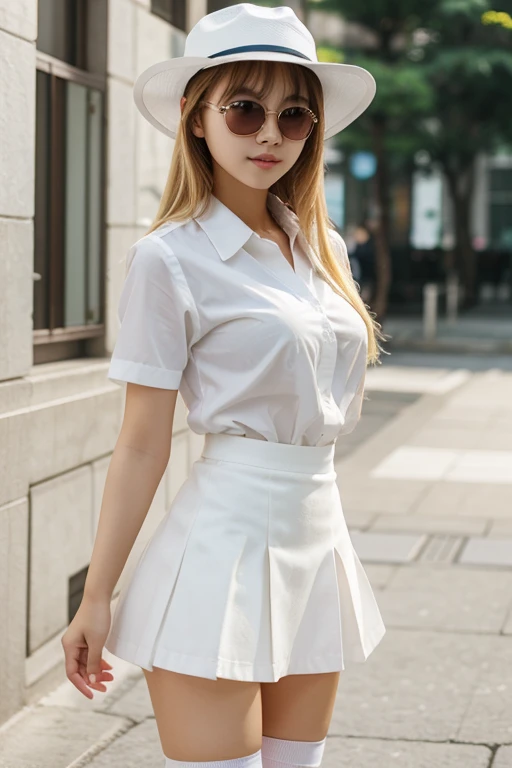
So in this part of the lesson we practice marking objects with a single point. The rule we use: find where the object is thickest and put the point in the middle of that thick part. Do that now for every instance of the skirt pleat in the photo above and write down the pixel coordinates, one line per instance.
(251, 575)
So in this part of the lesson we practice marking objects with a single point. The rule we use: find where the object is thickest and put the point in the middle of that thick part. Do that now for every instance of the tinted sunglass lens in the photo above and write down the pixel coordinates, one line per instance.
(245, 117)
(295, 123)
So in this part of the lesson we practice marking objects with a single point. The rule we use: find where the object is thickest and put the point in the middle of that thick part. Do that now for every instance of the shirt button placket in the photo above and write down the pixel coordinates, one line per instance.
(328, 356)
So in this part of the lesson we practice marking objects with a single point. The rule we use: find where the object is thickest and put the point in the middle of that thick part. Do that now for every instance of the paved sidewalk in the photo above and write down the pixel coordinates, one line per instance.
(426, 486)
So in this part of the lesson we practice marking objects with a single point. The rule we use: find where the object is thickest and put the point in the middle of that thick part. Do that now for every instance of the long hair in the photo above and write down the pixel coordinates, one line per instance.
(190, 179)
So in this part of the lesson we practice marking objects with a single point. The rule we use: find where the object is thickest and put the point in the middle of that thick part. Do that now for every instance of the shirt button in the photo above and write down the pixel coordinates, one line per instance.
(328, 335)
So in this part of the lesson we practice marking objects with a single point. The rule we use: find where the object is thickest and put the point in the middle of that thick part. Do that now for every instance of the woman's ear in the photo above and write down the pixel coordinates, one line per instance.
(197, 127)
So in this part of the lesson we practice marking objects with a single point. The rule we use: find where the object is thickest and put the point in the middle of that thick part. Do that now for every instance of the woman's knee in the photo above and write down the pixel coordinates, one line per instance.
(201, 720)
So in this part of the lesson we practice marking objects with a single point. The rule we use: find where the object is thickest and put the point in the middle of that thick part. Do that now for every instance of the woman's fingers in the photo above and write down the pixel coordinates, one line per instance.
(79, 683)
(101, 677)
(76, 671)
(83, 643)
(73, 673)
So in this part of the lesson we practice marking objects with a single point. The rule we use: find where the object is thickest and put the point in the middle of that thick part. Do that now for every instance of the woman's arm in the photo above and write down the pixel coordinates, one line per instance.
(136, 467)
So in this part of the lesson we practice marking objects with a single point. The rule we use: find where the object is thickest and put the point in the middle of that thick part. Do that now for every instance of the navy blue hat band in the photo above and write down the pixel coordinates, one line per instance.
(276, 48)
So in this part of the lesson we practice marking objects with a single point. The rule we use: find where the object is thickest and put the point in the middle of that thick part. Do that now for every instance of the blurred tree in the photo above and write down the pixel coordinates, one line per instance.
(468, 62)
(403, 97)
(444, 78)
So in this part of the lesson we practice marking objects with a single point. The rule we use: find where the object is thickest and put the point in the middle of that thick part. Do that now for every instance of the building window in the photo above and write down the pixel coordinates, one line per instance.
(172, 11)
(216, 5)
(60, 31)
(69, 186)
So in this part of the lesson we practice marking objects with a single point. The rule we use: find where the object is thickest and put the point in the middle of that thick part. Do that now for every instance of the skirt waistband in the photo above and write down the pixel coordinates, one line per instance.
(262, 453)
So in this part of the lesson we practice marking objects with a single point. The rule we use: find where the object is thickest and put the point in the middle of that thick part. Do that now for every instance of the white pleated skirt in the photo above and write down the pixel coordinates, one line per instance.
(251, 574)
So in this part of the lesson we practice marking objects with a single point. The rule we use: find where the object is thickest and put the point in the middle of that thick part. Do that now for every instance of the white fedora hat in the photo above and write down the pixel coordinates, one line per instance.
(247, 31)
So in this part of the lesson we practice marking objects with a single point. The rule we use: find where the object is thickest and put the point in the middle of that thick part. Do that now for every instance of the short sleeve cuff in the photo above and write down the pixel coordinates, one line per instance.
(138, 373)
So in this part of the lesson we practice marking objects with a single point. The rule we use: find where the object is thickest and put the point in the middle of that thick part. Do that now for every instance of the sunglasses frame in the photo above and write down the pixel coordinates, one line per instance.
(224, 108)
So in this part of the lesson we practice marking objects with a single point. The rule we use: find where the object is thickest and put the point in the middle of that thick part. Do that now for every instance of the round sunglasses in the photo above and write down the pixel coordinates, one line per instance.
(245, 118)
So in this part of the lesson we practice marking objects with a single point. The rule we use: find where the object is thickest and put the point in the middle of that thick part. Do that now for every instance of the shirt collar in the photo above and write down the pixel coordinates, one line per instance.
(228, 233)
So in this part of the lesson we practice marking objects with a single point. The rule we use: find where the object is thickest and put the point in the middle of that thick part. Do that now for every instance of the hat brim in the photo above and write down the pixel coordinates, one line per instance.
(348, 89)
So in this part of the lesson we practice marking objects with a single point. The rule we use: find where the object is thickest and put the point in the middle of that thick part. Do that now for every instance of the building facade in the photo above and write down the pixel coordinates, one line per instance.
(81, 173)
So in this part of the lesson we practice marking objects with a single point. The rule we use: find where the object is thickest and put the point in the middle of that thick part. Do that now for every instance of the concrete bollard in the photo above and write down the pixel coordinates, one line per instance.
(429, 311)
(452, 297)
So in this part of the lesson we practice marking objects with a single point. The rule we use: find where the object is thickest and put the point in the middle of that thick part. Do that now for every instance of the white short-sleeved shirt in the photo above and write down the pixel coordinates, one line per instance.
(255, 347)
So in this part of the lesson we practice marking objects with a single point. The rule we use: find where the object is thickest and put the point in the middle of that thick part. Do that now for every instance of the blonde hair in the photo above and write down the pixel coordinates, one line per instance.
(190, 179)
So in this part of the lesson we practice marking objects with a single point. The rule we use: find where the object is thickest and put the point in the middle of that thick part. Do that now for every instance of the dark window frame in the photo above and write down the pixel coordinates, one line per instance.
(218, 5)
(56, 342)
(174, 12)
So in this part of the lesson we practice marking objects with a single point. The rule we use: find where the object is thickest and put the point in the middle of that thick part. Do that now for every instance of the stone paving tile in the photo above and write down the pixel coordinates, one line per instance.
(414, 379)
(447, 598)
(372, 753)
(380, 402)
(445, 500)
(126, 677)
(495, 501)
(430, 524)
(139, 747)
(458, 415)
(54, 737)
(379, 575)
(358, 519)
(387, 547)
(442, 435)
(503, 758)
(412, 462)
(488, 715)
(507, 627)
(359, 492)
(134, 703)
(370, 424)
(441, 549)
(501, 417)
(500, 528)
(484, 501)
(482, 467)
(416, 463)
(377, 412)
(415, 685)
(496, 439)
(485, 551)
(451, 415)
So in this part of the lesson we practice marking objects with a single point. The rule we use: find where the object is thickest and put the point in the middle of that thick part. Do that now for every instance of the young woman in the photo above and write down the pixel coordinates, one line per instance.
(249, 599)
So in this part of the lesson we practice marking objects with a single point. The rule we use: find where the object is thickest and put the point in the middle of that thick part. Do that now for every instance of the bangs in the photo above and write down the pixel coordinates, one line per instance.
(260, 77)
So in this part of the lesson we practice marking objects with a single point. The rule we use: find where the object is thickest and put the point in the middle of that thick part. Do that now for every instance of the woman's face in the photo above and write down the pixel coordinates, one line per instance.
(233, 153)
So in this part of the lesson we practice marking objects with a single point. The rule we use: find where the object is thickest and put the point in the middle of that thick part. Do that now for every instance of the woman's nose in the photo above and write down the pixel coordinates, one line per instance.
(270, 127)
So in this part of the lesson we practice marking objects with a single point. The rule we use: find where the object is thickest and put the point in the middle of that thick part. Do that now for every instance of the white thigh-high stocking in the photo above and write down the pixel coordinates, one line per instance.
(249, 761)
(277, 753)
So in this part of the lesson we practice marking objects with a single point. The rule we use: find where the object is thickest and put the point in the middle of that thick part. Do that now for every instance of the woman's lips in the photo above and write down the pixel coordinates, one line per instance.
(264, 163)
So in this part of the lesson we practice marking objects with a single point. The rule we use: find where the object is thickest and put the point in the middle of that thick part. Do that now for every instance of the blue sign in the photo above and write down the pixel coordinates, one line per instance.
(363, 165)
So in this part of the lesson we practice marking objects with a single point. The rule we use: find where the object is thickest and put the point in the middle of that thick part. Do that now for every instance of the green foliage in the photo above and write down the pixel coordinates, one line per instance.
(378, 15)
(329, 54)
(446, 89)
(402, 90)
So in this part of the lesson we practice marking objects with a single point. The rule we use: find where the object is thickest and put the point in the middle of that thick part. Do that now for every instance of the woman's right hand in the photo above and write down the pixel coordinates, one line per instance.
(83, 644)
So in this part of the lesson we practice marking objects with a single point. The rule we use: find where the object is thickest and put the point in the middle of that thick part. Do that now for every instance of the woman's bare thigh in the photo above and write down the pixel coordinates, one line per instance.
(299, 707)
(202, 720)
